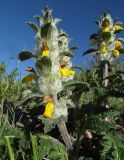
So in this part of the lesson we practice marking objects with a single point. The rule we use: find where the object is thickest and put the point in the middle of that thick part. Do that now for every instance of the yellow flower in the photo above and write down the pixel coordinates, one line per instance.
(115, 53)
(93, 43)
(49, 108)
(118, 44)
(45, 50)
(66, 72)
(45, 53)
(28, 78)
(106, 29)
(117, 27)
(103, 49)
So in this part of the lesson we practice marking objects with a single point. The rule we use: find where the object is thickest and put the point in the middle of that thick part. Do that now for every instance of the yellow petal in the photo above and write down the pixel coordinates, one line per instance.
(66, 72)
(45, 53)
(93, 43)
(102, 49)
(28, 78)
(118, 44)
(49, 108)
(115, 53)
(106, 29)
(117, 27)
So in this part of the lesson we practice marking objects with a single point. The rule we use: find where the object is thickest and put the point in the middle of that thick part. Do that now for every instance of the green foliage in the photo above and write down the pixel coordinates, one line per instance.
(51, 148)
(89, 51)
(112, 147)
(102, 122)
(9, 90)
(96, 123)
(106, 36)
(33, 26)
(24, 55)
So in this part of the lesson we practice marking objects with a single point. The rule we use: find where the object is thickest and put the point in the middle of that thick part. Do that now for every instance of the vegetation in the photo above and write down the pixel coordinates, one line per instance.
(60, 112)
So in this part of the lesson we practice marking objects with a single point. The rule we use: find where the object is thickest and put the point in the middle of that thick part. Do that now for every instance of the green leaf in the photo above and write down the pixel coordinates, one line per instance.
(44, 65)
(47, 15)
(118, 30)
(78, 68)
(105, 14)
(73, 48)
(69, 54)
(57, 21)
(33, 26)
(106, 36)
(45, 30)
(11, 153)
(94, 36)
(121, 50)
(63, 34)
(97, 22)
(76, 83)
(112, 147)
(24, 55)
(51, 148)
(90, 51)
(34, 147)
(39, 19)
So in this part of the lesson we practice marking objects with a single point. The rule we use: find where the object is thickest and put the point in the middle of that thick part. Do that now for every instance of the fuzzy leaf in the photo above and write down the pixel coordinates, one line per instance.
(90, 51)
(121, 50)
(76, 83)
(106, 36)
(45, 29)
(39, 19)
(63, 34)
(118, 30)
(68, 54)
(52, 148)
(73, 48)
(28, 78)
(44, 64)
(97, 22)
(24, 55)
(33, 26)
(57, 21)
(78, 68)
(105, 13)
(94, 36)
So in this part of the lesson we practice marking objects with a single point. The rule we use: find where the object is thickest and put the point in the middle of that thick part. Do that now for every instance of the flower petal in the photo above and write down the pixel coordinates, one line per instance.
(115, 53)
(28, 78)
(49, 108)
(66, 72)
(117, 27)
(45, 53)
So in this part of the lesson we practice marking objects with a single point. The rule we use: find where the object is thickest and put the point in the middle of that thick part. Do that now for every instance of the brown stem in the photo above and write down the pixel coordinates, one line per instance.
(65, 135)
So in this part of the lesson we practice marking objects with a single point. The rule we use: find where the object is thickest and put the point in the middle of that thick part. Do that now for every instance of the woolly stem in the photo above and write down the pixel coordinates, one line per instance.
(105, 81)
(105, 74)
(65, 135)
(63, 129)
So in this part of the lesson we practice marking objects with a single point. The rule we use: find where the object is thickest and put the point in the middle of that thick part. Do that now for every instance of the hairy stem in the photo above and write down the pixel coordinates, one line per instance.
(106, 81)
(105, 74)
(63, 129)
(65, 136)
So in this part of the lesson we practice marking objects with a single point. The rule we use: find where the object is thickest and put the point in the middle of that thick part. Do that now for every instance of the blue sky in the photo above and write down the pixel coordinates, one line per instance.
(77, 16)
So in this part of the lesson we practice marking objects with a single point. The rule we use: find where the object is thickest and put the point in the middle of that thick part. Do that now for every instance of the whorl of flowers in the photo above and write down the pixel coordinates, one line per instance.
(52, 64)
(108, 46)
